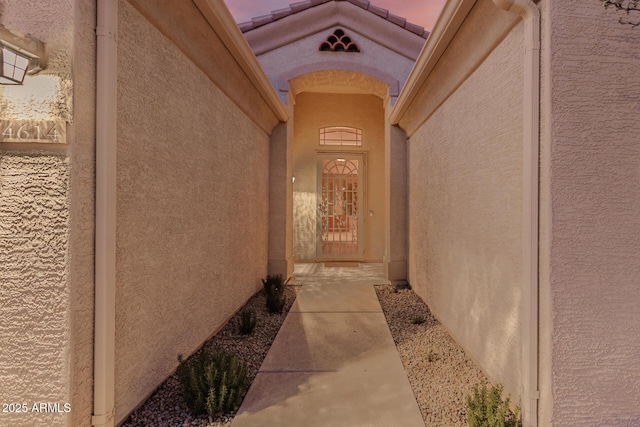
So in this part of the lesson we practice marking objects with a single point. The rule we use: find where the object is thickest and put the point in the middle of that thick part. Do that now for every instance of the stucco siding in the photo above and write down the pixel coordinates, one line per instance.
(465, 212)
(304, 55)
(34, 305)
(46, 222)
(192, 208)
(595, 187)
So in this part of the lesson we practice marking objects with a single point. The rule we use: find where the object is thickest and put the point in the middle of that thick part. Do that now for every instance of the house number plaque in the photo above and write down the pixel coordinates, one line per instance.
(39, 131)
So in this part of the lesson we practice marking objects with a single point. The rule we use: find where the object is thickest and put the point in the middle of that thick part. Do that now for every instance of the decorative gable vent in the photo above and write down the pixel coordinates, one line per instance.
(339, 42)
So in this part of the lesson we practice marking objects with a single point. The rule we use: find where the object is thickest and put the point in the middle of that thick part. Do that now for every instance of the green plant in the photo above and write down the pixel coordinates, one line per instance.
(486, 408)
(417, 320)
(248, 320)
(212, 382)
(274, 289)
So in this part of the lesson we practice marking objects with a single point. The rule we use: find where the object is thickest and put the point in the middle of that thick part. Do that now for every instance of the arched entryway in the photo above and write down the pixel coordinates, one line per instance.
(338, 161)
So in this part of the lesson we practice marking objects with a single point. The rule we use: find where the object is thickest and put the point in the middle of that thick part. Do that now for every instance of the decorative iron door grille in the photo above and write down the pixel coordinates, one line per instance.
(340, 195)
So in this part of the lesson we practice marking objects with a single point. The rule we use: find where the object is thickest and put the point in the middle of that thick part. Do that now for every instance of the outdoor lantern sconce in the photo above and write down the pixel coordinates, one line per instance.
(19, 55)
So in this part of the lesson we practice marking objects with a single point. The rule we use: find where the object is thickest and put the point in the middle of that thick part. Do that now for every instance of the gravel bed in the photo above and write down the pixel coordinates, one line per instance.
(166, 408)
(440, 373)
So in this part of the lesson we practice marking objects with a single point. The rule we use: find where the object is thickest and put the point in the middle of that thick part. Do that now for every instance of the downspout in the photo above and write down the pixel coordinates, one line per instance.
(105, 250)
(530, 14)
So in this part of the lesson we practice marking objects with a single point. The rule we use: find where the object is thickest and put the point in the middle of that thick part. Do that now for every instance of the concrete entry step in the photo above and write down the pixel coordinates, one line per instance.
(333, 362)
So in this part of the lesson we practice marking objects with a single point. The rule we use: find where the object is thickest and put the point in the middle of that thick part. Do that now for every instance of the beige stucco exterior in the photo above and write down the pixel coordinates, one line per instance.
(594, 183)
(46, 222)
(465, 211)
(193, 174)
(206, 205)
(464, 123)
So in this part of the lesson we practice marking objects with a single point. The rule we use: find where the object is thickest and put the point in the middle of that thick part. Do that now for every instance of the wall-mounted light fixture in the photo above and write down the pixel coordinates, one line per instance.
(19, 55)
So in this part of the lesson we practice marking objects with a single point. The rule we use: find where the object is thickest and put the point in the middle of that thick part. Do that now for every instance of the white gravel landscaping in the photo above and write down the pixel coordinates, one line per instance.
(440, 373)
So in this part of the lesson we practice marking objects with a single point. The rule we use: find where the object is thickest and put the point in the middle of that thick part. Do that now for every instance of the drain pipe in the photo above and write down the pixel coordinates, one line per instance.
(530, 14)
(105, 249)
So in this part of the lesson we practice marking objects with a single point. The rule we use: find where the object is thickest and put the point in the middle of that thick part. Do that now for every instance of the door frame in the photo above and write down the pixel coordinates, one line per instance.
(362, 203)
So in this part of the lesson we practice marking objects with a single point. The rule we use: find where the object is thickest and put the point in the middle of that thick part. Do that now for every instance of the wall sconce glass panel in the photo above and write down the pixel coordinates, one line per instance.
(19, 55)
(14, 66)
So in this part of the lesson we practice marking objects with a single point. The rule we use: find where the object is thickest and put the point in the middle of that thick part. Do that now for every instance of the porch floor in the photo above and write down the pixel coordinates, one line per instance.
(333, 362)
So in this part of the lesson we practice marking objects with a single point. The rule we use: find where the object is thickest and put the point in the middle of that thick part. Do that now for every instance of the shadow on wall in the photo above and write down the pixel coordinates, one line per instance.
(489, 315)
(304, 225)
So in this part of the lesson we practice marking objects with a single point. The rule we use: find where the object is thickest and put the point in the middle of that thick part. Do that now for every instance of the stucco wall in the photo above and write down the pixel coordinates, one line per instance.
(281, 201)
(595, 235)
(465, 209)
(303, 56)
(396, 206)
(46, 221)
(317, 110)
(34, 207)
(193, 185)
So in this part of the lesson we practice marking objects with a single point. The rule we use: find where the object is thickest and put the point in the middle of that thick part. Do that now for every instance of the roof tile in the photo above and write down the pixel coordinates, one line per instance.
(299, 6)
(378, 10)
(306, 4)
(417, 29)
(281, 13)
(261, 20)
(398, 20)
(245, 26)
(361, 3)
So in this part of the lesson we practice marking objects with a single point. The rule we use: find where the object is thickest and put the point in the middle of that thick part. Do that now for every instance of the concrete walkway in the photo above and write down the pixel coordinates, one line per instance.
(334, 362)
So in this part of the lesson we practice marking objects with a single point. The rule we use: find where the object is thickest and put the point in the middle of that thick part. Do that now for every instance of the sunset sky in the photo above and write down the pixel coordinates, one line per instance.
(421, 12)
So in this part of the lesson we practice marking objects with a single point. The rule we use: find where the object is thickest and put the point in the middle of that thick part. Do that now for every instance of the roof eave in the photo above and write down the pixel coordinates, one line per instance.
(446, 27)
(218, 16)
(326, 15)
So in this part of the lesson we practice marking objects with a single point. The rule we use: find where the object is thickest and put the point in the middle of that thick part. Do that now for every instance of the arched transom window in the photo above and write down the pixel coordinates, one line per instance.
(341, 135)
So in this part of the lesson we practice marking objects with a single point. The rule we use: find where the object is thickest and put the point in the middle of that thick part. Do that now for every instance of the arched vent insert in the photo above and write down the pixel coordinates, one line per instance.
(339, 42)
(341, 135)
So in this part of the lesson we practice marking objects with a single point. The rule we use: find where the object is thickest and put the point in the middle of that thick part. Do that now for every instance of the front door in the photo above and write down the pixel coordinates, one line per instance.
(340, 206)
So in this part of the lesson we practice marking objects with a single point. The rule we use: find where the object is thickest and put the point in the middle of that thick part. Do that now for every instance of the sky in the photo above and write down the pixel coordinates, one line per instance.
(421, 12)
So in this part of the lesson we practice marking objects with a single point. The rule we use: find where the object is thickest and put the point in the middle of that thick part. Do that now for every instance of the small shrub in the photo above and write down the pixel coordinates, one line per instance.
(486, 408)
(274, 289)
(417, 320)
(248, 320)
(431, 356)
(212, 383)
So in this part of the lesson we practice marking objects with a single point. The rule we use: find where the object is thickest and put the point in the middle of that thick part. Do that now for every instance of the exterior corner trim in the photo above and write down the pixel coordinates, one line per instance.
(105, 220)
(530, 14)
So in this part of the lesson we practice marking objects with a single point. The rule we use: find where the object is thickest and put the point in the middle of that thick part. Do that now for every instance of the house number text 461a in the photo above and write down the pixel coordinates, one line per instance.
(39, 131)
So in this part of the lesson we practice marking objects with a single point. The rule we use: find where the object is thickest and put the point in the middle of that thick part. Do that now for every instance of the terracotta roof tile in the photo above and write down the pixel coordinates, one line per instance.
(361, 3)
(398, 20)
(245, 26)
(418, 29)
(378, 11)
(261, 20)
(300, 6)
(307, 4)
